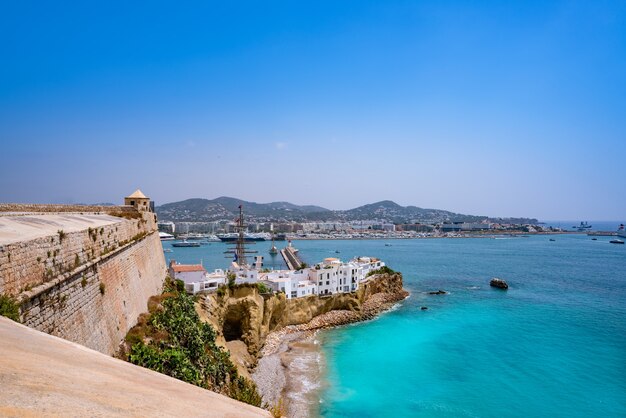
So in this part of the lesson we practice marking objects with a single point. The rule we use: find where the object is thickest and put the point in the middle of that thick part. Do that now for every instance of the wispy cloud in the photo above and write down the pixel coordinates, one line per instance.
(280, 145)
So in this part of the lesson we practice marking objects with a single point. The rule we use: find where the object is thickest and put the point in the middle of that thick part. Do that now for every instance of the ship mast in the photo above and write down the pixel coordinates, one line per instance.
(239, 249)
(273, 249)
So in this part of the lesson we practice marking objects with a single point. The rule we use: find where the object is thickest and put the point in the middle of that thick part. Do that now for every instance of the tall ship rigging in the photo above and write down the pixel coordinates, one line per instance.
(239, 250)
(273, 249)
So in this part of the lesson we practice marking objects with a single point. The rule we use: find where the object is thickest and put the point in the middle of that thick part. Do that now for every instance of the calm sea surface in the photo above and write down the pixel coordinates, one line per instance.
(554, 344)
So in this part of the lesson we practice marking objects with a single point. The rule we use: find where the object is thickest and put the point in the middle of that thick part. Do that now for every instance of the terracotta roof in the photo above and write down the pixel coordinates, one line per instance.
(181, 268)
(138, 195)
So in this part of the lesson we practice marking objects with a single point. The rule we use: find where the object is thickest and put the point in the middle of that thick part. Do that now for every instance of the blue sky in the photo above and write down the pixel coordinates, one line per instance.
(482, 107)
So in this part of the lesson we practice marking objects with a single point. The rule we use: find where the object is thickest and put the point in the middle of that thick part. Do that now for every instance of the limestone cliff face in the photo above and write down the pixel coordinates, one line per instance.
(244, 314)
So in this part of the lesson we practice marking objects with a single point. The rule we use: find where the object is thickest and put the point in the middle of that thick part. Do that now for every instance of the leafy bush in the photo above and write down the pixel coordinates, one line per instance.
(263, 288)
(231, 279)
(9, 308)
(382, 270)
(182, 346)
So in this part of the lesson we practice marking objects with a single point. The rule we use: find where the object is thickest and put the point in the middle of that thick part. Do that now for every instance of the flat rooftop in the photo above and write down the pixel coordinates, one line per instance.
(43, 375)
(16, 228)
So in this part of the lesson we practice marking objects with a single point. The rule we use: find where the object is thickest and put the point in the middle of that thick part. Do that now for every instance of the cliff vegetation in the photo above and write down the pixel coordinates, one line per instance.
(171, 339)
(9, 308)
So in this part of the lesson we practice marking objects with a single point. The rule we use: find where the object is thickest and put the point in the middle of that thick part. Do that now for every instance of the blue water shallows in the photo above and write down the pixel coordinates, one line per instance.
(554, 344)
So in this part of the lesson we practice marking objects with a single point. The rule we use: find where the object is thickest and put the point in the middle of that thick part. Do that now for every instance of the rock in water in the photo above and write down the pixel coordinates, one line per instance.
(499, 283)
(438, 292)
(424, 308)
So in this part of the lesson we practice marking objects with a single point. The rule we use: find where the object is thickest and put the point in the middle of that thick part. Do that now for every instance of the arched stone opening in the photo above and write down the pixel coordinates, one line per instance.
(233, 327)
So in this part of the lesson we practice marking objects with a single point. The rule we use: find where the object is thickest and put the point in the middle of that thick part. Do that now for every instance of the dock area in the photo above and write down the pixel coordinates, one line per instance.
(290, 255)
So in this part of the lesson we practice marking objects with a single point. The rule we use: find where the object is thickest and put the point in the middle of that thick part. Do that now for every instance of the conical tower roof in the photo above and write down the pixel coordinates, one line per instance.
(137, 195)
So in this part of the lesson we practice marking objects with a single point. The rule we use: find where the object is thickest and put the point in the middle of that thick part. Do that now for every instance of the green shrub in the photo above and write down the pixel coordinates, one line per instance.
(9, 308)
(382, 270)
(182, 346)
(62, 235)
(263, 288)
(231, 279)
(102, 288)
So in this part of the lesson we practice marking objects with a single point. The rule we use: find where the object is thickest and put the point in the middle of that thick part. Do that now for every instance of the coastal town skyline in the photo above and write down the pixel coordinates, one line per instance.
(480, 109)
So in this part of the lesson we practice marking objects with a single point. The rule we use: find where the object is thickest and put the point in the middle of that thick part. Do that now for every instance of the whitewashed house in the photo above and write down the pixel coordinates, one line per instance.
(196, 278)
(294, 283)
(324, 275)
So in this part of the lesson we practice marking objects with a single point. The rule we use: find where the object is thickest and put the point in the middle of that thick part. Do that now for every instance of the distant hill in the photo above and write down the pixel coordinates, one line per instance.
(205, 210)
(392, 212)
(227, 208)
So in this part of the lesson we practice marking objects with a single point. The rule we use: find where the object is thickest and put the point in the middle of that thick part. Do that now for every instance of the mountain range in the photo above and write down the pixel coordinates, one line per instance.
(227, 208)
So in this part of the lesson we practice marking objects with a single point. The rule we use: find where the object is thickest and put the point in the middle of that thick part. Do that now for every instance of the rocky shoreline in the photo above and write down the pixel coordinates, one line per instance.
(279, 376)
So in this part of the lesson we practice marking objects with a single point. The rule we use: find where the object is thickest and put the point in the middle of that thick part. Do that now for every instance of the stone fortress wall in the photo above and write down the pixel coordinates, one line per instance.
(78, 272)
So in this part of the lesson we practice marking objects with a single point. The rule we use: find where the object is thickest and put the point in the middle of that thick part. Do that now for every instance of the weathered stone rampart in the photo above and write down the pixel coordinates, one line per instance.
(40, 208)
(81, 276)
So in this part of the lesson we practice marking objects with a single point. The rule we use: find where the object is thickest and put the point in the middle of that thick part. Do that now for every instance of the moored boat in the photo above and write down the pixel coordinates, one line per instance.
(582, 227)
(246, 236)
(185, 243)
(164, 236)
(616, 241)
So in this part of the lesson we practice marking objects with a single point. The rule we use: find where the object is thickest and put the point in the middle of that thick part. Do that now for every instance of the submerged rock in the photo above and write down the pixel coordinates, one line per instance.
(438, 292)
(499, 283)
(424, 308)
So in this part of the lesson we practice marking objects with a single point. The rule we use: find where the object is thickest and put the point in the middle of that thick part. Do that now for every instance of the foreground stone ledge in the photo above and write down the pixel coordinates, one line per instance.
(44, 376)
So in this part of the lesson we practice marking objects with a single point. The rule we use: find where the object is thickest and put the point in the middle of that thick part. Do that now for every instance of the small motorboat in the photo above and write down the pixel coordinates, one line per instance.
(616, 241)
(552, 239)
(594, 239)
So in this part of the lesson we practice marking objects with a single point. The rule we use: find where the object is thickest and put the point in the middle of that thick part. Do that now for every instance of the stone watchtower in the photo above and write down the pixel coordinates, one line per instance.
(138, 200)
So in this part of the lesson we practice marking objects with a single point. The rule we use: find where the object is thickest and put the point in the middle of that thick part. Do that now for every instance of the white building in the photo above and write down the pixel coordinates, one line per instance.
(333, 276)
(166, 226)
(294, 283)
(196, 278)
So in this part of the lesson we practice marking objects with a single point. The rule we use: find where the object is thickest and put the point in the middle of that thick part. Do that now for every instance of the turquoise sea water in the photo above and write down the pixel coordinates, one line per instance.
(554, 344)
